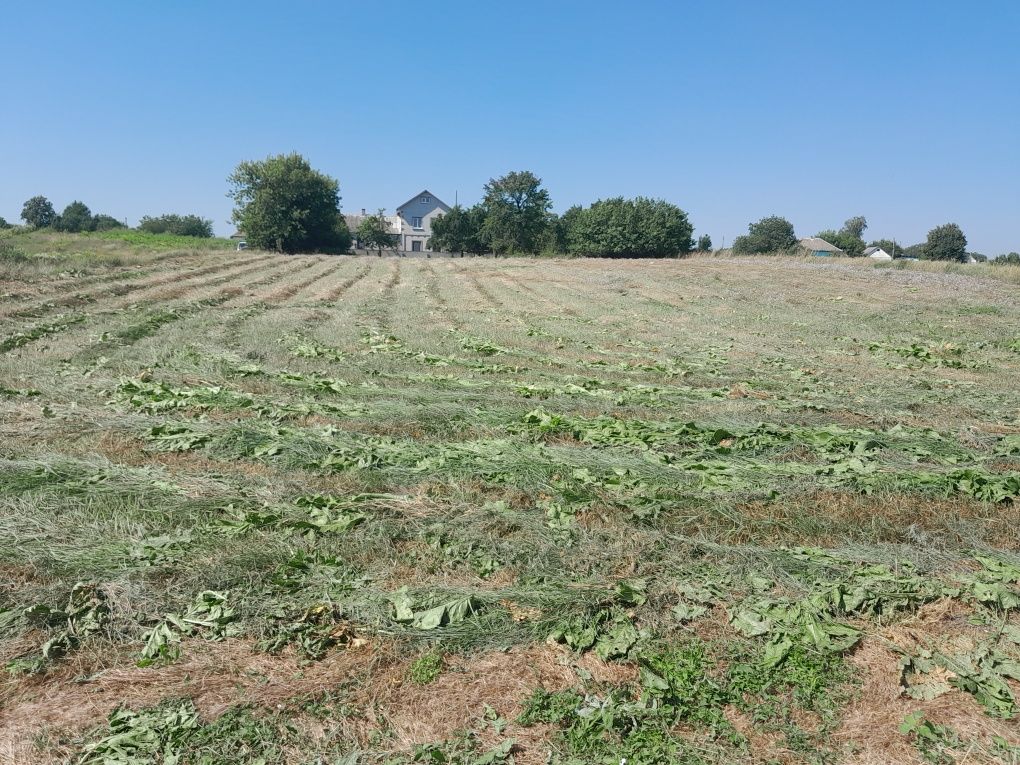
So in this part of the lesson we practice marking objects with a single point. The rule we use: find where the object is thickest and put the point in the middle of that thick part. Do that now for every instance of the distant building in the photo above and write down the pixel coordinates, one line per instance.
(412, 223)
(877, 253)
(812, 245)
(416, 216)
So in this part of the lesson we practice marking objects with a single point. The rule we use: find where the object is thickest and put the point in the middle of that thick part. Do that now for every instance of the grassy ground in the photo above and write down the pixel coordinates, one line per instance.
(258, 508)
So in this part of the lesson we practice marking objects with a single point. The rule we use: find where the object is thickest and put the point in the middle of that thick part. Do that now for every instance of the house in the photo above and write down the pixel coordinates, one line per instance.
(812, 245)
(415, 220)
(354, 220)
(412, 223)
(877, 253)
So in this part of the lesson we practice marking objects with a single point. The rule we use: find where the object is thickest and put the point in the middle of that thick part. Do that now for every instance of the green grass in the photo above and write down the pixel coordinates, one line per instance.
(382, 510)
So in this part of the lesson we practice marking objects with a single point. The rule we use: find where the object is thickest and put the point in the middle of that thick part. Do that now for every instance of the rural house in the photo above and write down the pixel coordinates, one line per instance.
(812, 245)
(877, 253)
(415, 218)
(412, 223)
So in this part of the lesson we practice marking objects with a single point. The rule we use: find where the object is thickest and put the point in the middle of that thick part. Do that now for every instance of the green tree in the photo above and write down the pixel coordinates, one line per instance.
(1008, 259)
(631, 228)
(854, 227)
(38, 212)
(516, 213)
(945, 242)
(704, 243)
(767, 236)
(75, 218)
(374, 231)
(106, 222)
(3, 223)
(889, 246)
(459, 230)
(179, 225)
(282, 204)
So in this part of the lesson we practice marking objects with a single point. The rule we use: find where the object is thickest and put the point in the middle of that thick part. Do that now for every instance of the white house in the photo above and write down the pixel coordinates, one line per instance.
(877, 253)
(412, 223)
(415, 218)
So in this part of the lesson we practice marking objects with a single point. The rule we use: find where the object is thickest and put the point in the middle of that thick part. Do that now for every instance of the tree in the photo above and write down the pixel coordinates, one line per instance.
(459, 230)
(106, 222)
(704, 243)
(179, 225)
(1009, 259)
(889, 246)
(3, 223)
(516, 213)
(945, 242)
(38, 212)
(282, 204)
(75, 218)
(854, 227)
(913, 251)
(767, 236)
(374, 231)
(631, 228)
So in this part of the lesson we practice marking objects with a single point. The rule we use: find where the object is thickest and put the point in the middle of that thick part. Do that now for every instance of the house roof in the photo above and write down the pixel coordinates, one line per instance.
(872, 250)
(423, 193)
(815, 244)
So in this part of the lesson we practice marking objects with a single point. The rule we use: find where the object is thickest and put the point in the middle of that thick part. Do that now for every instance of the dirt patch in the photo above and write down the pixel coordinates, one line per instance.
(217, 676)
(869, 731)
(456, 699)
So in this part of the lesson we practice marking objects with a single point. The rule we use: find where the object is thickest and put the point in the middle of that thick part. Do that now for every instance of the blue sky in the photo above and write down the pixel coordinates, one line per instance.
(905, 112)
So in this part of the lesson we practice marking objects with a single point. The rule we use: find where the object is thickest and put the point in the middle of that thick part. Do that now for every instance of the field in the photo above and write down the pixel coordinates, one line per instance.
(258, 508)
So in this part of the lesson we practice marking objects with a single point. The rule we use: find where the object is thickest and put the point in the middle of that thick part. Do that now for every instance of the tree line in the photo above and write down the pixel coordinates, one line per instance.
(775, 235)
(282, 204)
(515, 217)
(39, 213)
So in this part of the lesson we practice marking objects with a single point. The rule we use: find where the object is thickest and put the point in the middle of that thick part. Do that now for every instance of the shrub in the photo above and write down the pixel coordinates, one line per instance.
(4, 223)
(767, 236)
(630, 228)
(178, 225)
(106, 223)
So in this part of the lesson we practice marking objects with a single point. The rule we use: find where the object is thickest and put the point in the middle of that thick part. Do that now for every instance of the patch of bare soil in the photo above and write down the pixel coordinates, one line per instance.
(79, 694)
(870, 728)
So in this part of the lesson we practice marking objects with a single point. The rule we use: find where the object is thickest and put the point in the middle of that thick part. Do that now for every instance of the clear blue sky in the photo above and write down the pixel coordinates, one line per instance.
(905, 112)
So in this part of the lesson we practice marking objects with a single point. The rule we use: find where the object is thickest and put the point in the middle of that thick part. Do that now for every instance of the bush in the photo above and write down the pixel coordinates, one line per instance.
(630, 228)
(4, 223)
(178, 225)
(1009, 259)
(11, 254)
(106, 223)
(767, 236)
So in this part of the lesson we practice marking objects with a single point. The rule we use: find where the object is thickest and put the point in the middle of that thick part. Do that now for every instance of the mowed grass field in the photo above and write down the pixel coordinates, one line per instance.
(257, 508)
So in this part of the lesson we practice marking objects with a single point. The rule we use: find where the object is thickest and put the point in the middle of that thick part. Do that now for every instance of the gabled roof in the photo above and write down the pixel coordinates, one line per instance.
(814, 244)
(424, 193)
(871, 250)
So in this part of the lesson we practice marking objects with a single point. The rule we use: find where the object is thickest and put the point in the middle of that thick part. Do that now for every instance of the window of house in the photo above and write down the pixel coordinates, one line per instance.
(415, 222)
(426, 200)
